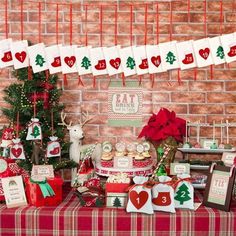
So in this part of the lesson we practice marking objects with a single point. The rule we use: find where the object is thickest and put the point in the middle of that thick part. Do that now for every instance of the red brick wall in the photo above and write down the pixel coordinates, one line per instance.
(203, 99)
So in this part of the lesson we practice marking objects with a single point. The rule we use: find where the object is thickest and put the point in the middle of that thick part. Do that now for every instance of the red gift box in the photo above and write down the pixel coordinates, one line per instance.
(35, 196)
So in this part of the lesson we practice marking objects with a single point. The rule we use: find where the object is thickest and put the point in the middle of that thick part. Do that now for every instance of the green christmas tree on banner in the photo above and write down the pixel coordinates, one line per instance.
(117, 202)
(220, 52)
(86, 63)
(39, 60)
(130, 63)
(170, 58)
(35, 132)
(182, 194)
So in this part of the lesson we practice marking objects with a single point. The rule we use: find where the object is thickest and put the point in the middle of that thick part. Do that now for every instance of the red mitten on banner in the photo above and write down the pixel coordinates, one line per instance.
(5, 53)
(19, 54)
(140, 199)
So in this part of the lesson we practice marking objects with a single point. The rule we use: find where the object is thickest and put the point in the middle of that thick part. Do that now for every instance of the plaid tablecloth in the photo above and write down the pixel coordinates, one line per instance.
(69, 218)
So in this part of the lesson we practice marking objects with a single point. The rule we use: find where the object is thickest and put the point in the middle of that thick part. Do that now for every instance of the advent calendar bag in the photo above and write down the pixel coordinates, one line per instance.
(34, 130)
(17, 150)
(53, 147)
(184, 193)
(140, 198)
(163, 195)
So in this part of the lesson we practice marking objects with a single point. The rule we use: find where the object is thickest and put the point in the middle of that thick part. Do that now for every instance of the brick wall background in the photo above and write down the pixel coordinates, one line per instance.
(204, 99)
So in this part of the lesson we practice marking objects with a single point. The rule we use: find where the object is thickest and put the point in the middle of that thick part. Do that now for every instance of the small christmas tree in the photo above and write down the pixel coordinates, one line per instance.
(130, 63)
(170, 57)
(85, 63)
(220, 52)
(37, 92)
(182, 194)
(117, 202)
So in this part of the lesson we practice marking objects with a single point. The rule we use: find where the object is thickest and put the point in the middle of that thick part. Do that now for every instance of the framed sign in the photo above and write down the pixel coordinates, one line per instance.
(43, 170)
(228, 158)
(14, 191)
(125, 104)
(123, 162)
(179, 168)
(219, 187)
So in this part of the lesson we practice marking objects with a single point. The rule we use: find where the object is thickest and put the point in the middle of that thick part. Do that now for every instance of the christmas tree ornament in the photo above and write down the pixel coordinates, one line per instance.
(202, 52)
(113, 60)
(141, 61)
(53, 147)
(186, 55)
(68, 59)
(99, 66)
(169, 55)
(155, 64)
(34, 130)
(37, 57)
(17, 150)
(19, 54)
(5, 53)
(127, 61)
(228, 42)
(217, 50)
(53, 58)
(83, 60)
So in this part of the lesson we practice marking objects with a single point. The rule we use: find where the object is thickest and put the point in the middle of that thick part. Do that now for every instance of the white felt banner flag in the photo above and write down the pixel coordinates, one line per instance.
(19, 54)
(141, 61)
(229, 45)
(202, 52)
(53, 58)
(113, 60)
(127, 61)
(98, 61)
(155, 64)
(68, 59)
(5, 53)
(83, 60)
(169, 55)
(37, 57)
(217, 50)
(186, 55)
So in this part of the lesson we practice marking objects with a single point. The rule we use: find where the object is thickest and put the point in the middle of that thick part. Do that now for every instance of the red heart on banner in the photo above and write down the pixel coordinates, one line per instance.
(156, 61)
(204, 53)
(20, 56)
(138, 199)
(16, 151)
(115, 63)
(70, 61)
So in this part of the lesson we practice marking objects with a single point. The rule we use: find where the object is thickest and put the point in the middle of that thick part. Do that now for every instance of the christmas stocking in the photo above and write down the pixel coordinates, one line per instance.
(53, 147)
(99, 66)
(37, 57)
(141, 60)
(184, 193)
(17, 150)
(229, 45)
(19, 54)
(83, 60)
(140, 199)
(163, 195)
(5, 53)
(34, 130)
(53, 59)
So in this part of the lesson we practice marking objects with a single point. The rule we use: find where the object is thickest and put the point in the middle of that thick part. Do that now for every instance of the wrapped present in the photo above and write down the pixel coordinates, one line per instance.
(37, 198)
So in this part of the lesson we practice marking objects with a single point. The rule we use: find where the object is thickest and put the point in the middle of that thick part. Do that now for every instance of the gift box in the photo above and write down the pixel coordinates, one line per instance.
(116, 199)
(35, 196)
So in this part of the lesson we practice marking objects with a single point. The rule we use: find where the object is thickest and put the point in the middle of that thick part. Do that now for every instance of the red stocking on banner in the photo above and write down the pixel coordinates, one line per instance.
(5, 53)
(53, 59)
(229, 45)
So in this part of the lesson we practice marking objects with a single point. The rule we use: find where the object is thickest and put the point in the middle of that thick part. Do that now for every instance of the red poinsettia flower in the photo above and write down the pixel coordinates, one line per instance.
(162, 125)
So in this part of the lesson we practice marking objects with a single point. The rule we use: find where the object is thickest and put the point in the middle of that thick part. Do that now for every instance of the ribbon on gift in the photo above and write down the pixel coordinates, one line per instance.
(45, 188)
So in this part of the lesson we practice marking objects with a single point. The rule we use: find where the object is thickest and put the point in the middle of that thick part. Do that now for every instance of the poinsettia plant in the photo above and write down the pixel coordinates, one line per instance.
(163, 125)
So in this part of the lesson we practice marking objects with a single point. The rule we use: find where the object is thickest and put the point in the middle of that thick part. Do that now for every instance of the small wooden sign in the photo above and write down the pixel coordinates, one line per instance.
(219, 187)
(43, 170)
(123, 162)
(14, 191)
(179, 168)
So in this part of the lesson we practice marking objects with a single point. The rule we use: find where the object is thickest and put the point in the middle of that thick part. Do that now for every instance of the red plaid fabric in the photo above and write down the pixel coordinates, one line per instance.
(70, 219)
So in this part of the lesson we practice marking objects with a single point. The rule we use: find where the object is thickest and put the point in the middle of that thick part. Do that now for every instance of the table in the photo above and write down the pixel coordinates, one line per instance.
(69, 218)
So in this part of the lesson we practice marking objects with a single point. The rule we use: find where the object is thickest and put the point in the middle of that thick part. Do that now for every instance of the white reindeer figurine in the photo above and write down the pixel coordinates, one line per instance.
(76, 135)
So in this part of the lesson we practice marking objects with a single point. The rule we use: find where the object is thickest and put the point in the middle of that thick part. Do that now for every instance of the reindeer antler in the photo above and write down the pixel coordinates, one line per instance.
(87, 119)
(63, 117)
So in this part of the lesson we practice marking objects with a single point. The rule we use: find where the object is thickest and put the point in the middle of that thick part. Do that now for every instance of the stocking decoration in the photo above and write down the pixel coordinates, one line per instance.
(34, 130)
(37, 57)
(53, 147)
(19, 54)
(17, 150)
(141, 60)
(229, 45)
(83, 60)
(5, 53)
(53, 59)
(98, 61)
